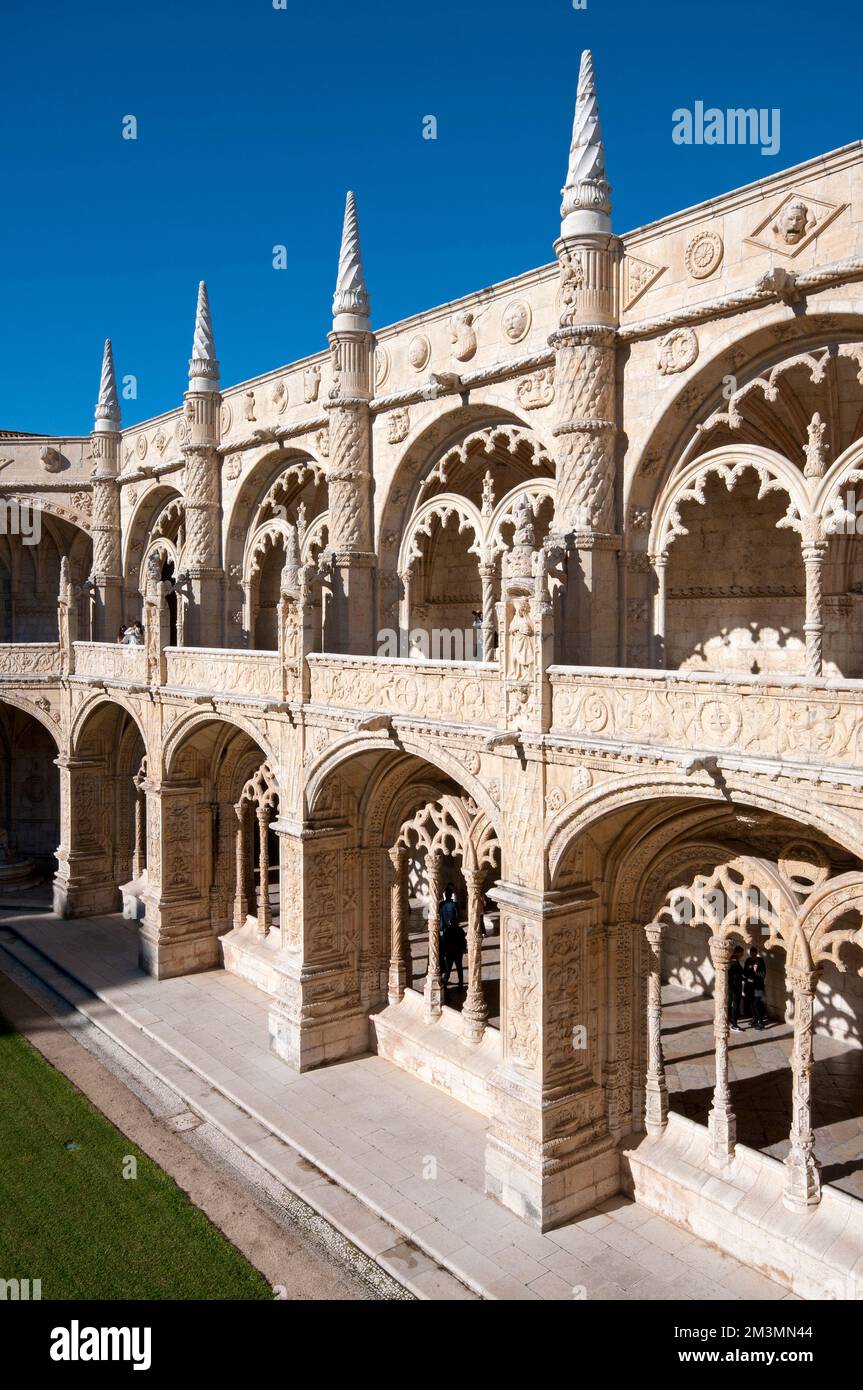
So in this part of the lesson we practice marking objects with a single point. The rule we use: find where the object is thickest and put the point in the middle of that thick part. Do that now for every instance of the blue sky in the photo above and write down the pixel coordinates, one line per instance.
(253, 121)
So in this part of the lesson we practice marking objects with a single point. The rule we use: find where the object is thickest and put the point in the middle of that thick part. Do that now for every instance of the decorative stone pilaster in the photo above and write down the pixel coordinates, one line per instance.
(317, 1014)
(721, 1122)
(202, 553)
(84, 882)
(398, 924)
(350, 620)
(584, 530)
(656, 1088)
(549, 1153)
(177, 936)
(433, 989)
(67, 618)
(803, 1186)
(475, 1011)
(107, 572)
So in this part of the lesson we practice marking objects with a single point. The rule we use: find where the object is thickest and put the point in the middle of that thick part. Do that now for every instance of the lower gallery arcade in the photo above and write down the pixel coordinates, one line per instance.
(592, 1026)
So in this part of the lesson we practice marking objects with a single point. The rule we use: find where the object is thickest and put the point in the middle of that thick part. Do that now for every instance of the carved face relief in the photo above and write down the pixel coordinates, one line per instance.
(516, 320)
(793, 222)
(463, 336)
(419, 351)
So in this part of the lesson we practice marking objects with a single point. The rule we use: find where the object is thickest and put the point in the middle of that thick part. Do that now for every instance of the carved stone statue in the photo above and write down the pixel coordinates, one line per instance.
(521, 632)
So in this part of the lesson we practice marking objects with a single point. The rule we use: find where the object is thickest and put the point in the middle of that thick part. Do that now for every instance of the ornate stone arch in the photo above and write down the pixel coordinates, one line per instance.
(629, 789)
(98, 701)
(187, 724)
(439, 509)
(448, 764)
(775, 474)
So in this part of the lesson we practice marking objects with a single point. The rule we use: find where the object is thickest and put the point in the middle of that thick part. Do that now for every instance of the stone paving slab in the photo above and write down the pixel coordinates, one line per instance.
(402, 1158)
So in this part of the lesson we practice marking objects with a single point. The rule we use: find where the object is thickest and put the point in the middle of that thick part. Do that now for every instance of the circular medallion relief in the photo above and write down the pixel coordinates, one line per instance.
(419, 351)
(225, 418)
(703, 254)
(677, 351)
(382, 365)
(516, 319)
(141, 446)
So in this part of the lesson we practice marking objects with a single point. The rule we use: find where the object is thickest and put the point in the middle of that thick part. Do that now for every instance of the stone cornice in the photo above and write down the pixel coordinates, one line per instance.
(740, 300)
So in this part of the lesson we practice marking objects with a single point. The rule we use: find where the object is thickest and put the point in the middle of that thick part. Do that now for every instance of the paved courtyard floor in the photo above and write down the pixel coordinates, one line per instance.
(377, 1152)
(760, 1077)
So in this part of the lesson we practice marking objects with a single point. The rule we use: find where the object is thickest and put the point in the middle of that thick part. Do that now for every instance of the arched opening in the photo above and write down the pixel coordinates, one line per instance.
(221, 788)
(728, 1030)
(29, 806)
(736, 584)
(30, 580)
(108, 815)
(393, 832)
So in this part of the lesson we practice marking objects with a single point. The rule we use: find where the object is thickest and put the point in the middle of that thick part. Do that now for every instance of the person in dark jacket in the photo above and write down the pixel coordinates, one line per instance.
(735, 988)
(452, 939)
(754, 975)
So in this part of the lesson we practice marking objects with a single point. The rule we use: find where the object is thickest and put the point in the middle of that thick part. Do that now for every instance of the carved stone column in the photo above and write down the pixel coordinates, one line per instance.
(585, 525)
(139, 855)
(486, 577)
(264, 914)
(398, 924)
(350, 620)
(240, 904)
(433, 991)
(105, 524)
(814, 556)
(475, 1011)
(656, 1089)
(721, 1122)
(803, 1187)
(202, 553)
(658, 655)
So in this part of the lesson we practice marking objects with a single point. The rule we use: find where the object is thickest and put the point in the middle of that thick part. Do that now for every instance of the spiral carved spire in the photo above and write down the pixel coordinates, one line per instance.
(351, 295)
(586, 194)
(203, 366)
(108, 404)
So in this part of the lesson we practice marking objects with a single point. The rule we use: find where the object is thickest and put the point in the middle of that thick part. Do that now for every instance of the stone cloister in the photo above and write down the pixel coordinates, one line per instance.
(625, 483)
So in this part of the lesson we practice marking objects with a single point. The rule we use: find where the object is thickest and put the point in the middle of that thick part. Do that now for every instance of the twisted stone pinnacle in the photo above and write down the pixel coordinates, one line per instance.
(351, 296)
(203, 365)
(586, 194)
(108, 404)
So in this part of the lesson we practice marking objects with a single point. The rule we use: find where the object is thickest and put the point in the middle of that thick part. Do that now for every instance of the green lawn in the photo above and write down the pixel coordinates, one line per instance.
(68, 1216)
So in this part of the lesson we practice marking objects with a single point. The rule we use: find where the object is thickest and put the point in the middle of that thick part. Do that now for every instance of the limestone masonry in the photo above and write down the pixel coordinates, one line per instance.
(552, 593)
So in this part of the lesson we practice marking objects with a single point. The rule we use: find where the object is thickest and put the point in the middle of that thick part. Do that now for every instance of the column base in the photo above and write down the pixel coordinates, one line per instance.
(433, 996)
(80, 899)
(802, 1185)
(546, 1191)
(549, 1155)
(312, 1021)
(722, 1128)
(165, 957)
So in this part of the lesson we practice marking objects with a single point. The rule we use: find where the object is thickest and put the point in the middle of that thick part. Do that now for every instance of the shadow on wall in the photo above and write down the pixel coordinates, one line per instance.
(838, 1002)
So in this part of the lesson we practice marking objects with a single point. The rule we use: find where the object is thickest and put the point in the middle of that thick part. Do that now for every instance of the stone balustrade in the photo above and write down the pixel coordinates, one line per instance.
(223, 671)
(111, 661)
(467, 692)
(21, 659)
(802, 721)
